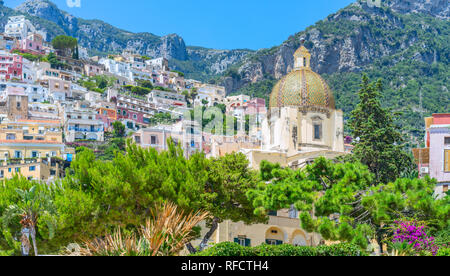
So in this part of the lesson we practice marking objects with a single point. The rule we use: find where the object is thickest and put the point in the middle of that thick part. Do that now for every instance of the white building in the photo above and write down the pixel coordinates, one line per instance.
(158, 64)
(116, 67)
(19, 27)
(213, 94)
(35, 92)
(303, 122)
(163, 99)
(80, 123)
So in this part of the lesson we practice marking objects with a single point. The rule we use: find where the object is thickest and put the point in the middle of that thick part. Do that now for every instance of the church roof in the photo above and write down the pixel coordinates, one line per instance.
(302, 87)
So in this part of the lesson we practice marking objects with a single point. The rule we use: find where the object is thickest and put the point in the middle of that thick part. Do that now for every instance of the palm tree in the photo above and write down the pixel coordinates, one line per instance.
(32, 204)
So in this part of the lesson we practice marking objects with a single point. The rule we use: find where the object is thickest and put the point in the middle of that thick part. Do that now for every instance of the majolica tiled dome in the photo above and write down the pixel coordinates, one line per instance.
(302, 87)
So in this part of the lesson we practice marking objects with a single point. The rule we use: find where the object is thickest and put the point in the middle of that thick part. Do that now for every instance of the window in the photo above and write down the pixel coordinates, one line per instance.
(34, 154)
(272, 213)
(2, 174)
(17, 170)
(153, 140)
(18, 154)
(32, 168)
(243, 241)
(447, 140)
(52, 172)
(317, 131)
(10, 137)
(446, 160)
(274, 242)
(445, 188)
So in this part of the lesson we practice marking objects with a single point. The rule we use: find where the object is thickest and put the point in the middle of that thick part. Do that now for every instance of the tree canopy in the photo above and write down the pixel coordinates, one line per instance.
(341, 202)
(378, 141)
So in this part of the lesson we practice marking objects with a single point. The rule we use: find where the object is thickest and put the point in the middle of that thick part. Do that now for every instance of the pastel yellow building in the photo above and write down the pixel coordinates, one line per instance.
(283, 227)
(33, 148)
(32, 169)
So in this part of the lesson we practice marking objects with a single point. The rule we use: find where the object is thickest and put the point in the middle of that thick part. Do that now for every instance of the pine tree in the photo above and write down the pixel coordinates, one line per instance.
(338, 201)
(378, 142)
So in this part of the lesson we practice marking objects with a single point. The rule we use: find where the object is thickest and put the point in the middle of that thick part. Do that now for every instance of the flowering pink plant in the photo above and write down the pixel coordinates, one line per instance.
(414, 234)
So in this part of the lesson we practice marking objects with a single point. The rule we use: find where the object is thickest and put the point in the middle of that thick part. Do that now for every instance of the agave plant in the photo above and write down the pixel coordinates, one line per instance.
(402, 249)
(164, 234)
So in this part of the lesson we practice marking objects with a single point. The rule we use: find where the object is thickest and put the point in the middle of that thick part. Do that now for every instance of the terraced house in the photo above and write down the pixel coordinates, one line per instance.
(81, 123)
(434, 159)
(33, 148)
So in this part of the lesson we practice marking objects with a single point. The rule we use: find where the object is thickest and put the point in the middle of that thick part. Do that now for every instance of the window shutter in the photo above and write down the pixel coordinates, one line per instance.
(447, 160)
(236, 240)
(279, 242)
(247, 242)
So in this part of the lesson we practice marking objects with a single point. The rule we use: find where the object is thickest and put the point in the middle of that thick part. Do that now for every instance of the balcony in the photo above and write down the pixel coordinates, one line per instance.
(79, 129)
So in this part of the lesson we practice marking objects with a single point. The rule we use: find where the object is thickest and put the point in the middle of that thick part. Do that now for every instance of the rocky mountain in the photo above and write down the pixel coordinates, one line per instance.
(102, 38)
(348, 40)
(406, 43)
(438, 8)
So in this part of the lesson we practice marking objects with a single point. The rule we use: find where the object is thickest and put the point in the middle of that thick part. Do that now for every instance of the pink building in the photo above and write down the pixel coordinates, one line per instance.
(434, 160)
(256, 106)
(32, 44)
(10, 66)
(93, 70)
(130, 114)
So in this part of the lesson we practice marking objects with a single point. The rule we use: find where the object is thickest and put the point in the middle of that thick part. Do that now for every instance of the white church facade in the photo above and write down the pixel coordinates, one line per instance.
(303, 122)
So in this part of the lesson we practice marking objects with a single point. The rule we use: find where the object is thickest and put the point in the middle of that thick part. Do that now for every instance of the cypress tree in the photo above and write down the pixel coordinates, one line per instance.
(379, 142)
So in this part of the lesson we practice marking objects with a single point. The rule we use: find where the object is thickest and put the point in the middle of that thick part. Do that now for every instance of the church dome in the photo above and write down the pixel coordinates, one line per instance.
(302, 87)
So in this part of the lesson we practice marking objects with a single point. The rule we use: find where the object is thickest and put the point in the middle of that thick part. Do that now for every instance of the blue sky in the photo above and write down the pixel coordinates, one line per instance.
(230, 24)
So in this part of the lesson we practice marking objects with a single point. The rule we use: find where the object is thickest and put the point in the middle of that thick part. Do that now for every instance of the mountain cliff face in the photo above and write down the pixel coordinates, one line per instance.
(101, 38)
(406, 43)
(437, 8)
(348, 41)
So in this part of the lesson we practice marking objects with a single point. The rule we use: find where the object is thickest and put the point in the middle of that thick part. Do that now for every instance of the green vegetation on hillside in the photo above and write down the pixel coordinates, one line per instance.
(414, 63)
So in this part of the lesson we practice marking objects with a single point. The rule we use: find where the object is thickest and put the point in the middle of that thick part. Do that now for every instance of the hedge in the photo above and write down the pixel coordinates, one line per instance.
(445, 251)
(231, 249)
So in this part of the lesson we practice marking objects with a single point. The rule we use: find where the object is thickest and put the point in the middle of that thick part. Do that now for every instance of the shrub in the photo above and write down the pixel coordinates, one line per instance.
(443, 252)
(414, 234)
(227, 249)
(266, 250)
(230, 249)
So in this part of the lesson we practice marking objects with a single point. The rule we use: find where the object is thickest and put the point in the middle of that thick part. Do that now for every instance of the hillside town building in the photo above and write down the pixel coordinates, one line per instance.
(434, 159)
